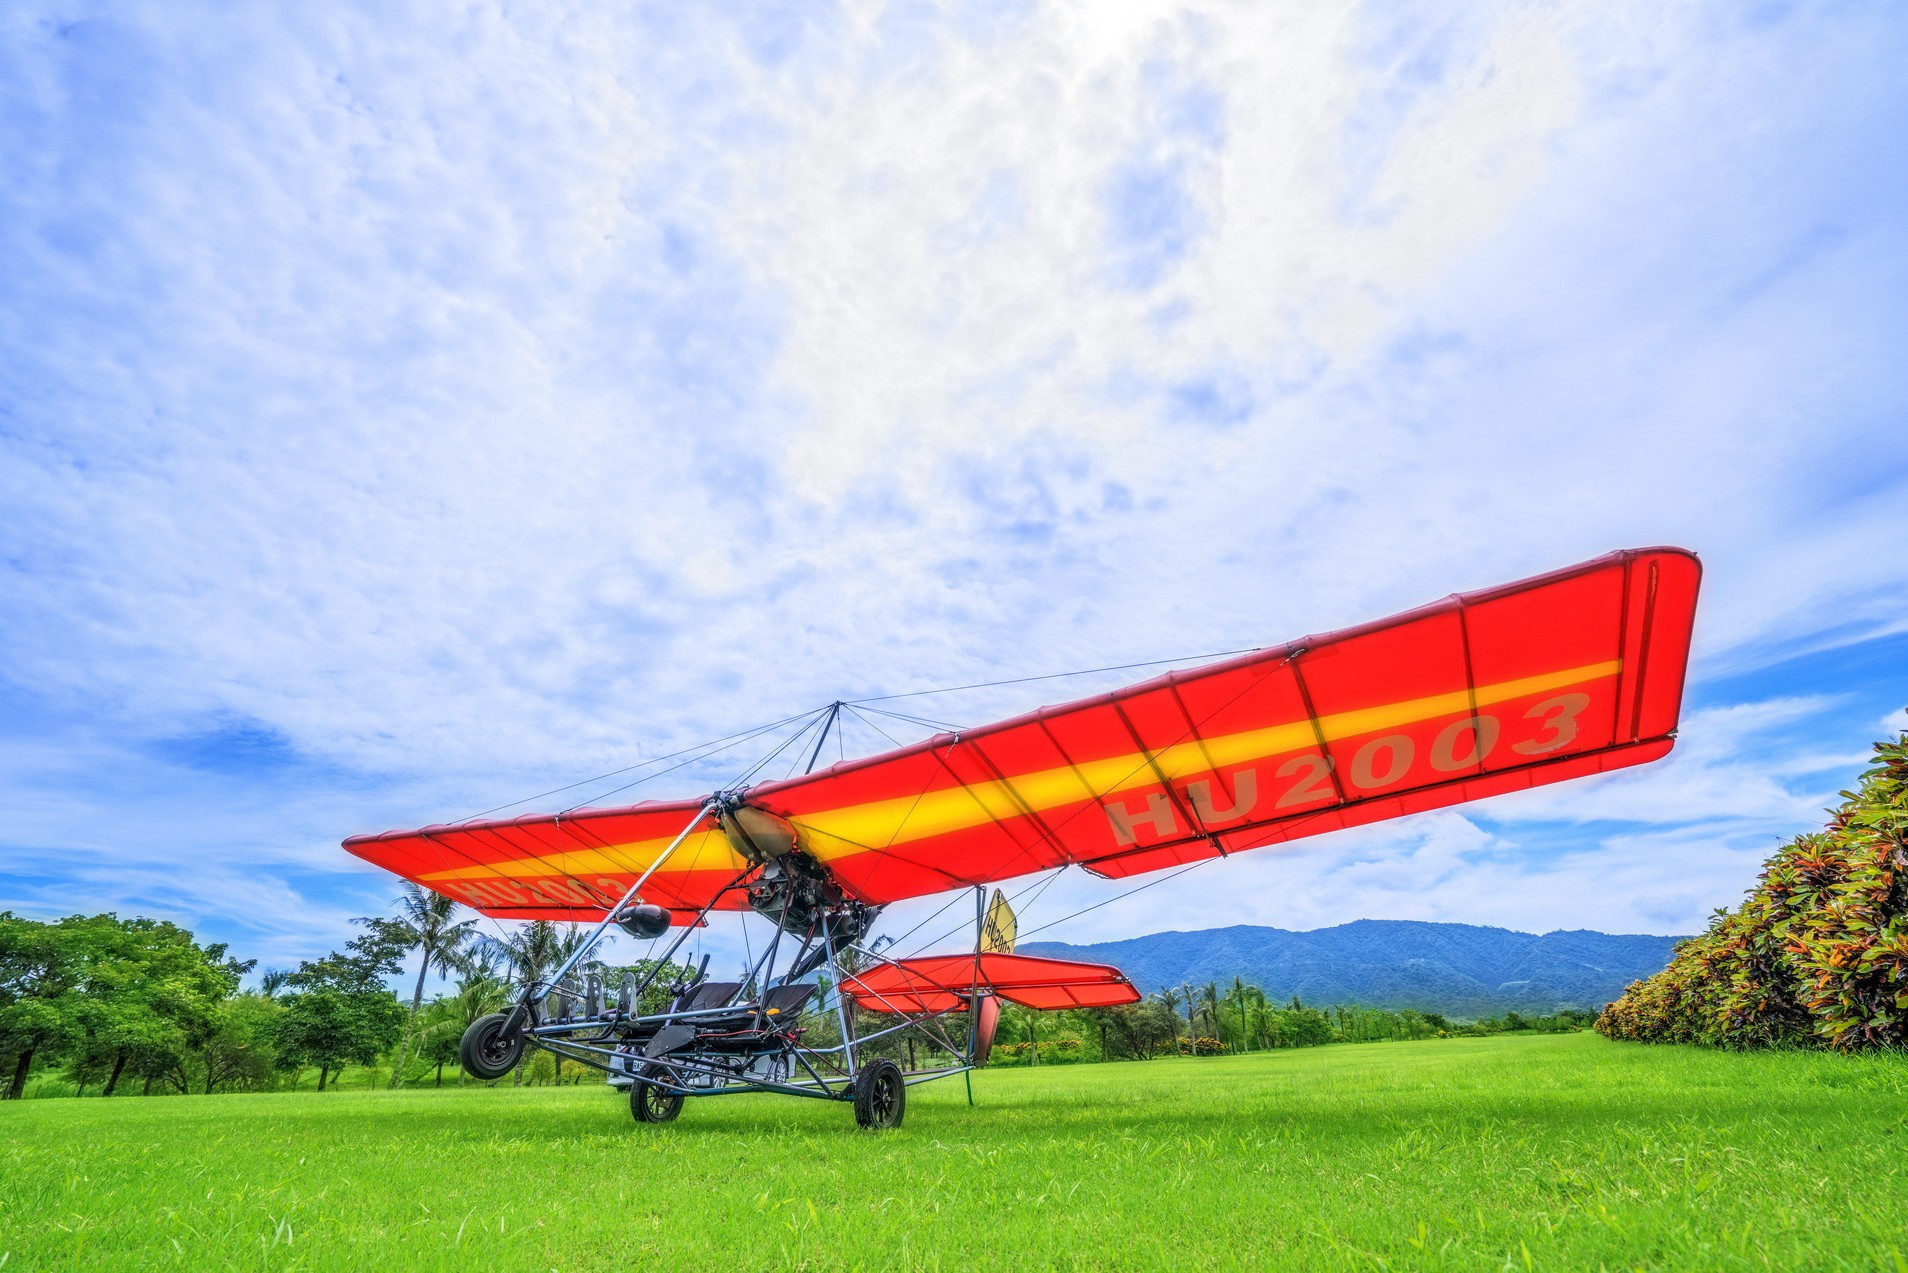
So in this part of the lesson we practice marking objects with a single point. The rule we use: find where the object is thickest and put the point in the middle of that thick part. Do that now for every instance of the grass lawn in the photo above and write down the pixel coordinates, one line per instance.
(1546, 1151)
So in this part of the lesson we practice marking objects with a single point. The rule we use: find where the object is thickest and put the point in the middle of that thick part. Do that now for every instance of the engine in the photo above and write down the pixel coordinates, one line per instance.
(796, 892)
(793, 890)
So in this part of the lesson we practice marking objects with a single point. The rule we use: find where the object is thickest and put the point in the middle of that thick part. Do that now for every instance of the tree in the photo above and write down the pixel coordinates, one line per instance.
(1211, 993)
(41, 1015)
(481, 988)
(152, 996)
(1260, 1018)
(341, 1012)
(1169, 999)
(240, 1050)
(1304, 1026)
(534, 952)
(39, 1003)
(440, 1033)
(427, 922)
(657, 989)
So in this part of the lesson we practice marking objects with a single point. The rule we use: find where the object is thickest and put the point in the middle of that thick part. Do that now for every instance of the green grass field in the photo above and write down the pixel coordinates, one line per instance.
(1555, 1152)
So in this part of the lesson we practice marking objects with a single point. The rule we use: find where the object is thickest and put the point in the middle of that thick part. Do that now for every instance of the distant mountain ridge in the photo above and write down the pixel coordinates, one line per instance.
(1461, 970)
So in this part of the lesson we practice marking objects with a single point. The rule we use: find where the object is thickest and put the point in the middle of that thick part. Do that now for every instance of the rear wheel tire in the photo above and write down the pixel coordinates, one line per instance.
(651, 1103)
(485, 1051)
(881, 1095)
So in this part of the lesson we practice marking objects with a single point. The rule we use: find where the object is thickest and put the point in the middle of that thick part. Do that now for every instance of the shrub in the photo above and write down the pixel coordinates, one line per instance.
(1817, 954)
(1052, 1052)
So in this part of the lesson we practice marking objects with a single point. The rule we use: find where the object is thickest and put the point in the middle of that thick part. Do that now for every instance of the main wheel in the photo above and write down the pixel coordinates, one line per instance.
(651, 1103)
(487, 1053)
(881, 1095)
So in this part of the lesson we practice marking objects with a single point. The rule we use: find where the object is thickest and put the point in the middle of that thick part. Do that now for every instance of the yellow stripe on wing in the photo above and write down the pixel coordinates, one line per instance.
(841, 832)
(706, 850)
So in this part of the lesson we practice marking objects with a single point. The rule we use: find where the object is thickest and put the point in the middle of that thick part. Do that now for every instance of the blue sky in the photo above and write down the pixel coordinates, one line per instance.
(406, 409)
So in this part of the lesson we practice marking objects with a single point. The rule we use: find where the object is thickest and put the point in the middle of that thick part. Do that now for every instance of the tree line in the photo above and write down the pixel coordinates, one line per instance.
(109, 1005)
(1217, 1020)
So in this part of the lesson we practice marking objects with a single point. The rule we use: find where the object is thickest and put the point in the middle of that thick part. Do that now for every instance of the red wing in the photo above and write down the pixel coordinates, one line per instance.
(1571, 673)
(942, 983)
(568, 866)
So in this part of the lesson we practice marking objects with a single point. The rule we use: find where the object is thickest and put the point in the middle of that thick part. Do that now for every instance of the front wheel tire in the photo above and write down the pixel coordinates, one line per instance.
(881, 1095)
(486, 1051)
(651, 1103)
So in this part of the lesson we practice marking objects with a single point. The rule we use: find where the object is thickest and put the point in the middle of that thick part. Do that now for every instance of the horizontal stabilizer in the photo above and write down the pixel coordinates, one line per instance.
(945, 983)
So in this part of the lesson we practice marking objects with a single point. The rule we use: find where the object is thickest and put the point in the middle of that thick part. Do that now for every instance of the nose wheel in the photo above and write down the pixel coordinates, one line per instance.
(490, 1048)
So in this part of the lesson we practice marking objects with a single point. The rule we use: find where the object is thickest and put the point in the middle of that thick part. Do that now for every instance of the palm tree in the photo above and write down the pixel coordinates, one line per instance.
(1192, 1022)
(1212, 1009)
(426, 922)
(273, 980)
(1261, 1015)
(481, 989)
(1171, 999)
(1239, 995)
(567, 942)
(534, 952)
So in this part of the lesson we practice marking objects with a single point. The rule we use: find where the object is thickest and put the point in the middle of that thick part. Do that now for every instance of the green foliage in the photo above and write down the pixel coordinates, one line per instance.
(1817, 955)
(659, 993)
(341, 1012)
(1046, 1052)
(109, 995)
(1244, 1020)
(427, 923)
(241, 1050)
(1569, 1021)
(41, 970)
(440, 1028)
(541, 1068)
(330, 1028)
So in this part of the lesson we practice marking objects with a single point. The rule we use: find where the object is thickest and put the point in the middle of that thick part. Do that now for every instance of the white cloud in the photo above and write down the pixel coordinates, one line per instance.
(1730, 762)
(473, 396)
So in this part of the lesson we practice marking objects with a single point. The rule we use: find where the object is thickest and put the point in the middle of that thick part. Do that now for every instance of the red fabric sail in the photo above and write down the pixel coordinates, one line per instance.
(943, 983)
(568, 866)
(1569, 674)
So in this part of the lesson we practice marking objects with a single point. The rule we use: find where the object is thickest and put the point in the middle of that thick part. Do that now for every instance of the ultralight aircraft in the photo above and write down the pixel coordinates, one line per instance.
(1565, 675)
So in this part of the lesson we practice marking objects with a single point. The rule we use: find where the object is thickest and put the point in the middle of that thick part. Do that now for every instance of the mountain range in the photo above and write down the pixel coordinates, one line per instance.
(1461, 970)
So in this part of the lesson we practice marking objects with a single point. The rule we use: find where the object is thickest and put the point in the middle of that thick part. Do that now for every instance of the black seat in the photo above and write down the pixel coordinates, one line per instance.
(710, 994)
(787, 1001)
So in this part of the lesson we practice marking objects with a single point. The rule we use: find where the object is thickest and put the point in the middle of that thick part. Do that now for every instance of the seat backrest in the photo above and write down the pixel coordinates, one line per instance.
(787, 1001)
(710, 994)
